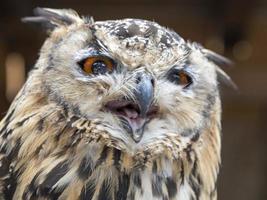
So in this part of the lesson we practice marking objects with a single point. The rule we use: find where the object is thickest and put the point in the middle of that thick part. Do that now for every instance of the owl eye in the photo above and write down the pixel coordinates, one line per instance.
(180, 77)
(97, 65)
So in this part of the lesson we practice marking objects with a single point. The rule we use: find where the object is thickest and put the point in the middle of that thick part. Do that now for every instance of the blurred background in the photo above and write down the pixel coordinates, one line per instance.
(236, 29)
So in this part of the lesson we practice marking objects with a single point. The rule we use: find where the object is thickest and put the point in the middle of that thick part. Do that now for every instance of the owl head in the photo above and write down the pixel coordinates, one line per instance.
(144, 85)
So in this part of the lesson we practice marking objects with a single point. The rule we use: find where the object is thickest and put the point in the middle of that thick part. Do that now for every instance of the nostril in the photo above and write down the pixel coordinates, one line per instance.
(152, 82)
(138, 79)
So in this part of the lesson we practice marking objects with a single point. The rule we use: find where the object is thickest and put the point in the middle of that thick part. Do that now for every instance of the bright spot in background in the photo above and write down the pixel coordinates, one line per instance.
(216, 44)
(242, 50)
(15, 74)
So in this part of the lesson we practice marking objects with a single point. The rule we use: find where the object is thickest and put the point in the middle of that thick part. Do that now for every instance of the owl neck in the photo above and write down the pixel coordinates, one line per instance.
(144, 182)
(158, 179)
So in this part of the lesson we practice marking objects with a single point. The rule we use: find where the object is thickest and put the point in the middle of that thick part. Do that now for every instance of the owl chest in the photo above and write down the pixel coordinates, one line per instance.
(106, 183)
(139, 185)
(115, 177)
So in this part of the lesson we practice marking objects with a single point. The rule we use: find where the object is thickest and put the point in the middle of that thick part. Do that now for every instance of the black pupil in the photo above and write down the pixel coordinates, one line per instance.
(174, 77)
(99, 67)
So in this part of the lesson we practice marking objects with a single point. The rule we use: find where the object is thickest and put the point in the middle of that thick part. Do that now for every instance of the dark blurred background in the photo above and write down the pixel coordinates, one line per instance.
(234, 28)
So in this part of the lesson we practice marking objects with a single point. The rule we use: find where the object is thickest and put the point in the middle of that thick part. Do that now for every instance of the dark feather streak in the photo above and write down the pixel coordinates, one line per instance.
(171, 187)
(88, 191)
(6, 122)
(157, 186)
(102, 157)
(104, 193)
(52, 178)
(123, 187)
(85, 169)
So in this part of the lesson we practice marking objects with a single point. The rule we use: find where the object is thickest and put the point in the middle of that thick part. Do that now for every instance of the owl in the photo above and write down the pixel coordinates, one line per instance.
(113, 110)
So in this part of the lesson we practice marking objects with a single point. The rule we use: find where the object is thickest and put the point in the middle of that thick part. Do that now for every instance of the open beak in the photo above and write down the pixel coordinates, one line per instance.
(135, 114)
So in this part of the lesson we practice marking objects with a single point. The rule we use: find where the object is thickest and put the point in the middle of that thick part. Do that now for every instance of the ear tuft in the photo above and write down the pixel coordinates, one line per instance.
(219, 61)
(54, 17)
(216, 58)
(223, 77)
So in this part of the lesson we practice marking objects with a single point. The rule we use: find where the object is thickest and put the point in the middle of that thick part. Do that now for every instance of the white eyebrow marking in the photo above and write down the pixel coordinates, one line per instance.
(82, 54)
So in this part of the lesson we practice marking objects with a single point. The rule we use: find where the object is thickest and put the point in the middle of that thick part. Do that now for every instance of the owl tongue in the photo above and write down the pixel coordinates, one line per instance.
(133, 118)
(133, 123)
(131, 113)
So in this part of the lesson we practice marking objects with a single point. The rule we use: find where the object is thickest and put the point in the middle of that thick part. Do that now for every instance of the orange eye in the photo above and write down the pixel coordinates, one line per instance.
(183, 78)
(97, 65)
(180, 77)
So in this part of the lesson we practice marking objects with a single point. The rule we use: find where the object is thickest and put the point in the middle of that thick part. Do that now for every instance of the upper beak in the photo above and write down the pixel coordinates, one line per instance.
(144, 92)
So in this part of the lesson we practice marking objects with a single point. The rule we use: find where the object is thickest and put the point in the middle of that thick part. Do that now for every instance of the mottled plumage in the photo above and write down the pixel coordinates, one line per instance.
(142, 122)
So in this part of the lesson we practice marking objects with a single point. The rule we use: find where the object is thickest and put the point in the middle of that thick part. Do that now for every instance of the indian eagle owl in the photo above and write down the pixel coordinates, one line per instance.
(119, 109)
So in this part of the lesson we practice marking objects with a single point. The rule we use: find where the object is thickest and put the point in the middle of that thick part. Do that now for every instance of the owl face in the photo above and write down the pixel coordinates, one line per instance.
(141, 81)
